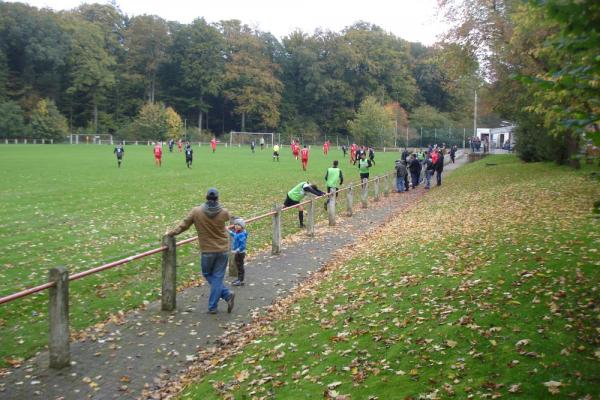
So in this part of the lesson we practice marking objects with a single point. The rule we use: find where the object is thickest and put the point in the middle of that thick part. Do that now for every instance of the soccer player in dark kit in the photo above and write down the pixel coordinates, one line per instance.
(119, 151)
(189, 155)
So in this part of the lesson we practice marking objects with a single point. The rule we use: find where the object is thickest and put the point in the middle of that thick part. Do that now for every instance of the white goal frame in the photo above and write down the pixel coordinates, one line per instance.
(99, 138)
(232, 133)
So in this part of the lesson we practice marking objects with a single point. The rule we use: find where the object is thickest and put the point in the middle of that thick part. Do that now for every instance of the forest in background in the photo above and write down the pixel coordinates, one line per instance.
(94, 69)
(106, 72)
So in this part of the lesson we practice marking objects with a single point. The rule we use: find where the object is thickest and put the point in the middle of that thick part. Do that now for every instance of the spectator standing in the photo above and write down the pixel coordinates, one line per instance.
(401, 173)
(439, 168)
(429, 170)
(210, 220)
(415, 170)
(238, 233)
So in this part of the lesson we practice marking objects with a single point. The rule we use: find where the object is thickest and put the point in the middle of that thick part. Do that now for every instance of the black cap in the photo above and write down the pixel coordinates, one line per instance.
(212, 194)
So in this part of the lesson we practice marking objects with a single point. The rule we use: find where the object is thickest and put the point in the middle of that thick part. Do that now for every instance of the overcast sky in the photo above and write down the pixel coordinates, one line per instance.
(412, 20)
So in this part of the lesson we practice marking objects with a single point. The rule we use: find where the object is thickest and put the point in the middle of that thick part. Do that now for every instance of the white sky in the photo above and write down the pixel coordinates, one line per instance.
(413, 20)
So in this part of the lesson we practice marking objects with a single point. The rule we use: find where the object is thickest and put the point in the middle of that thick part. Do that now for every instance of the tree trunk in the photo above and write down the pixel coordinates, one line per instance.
(152, 88)
(200, 121)
(95, 114)
(243, 121)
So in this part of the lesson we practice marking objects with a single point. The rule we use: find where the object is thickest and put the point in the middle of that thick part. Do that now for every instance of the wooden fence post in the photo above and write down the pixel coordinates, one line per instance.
(386, 185)
(276, 240)
(310, 218)
(349, 200)
(331, 207)
(58, 315)
(376, 198)
(169, 274)
(364, 198)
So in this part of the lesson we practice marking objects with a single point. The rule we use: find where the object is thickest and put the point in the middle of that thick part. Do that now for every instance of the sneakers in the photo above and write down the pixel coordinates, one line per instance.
(211, 312)
(230, 302)
(237, 282)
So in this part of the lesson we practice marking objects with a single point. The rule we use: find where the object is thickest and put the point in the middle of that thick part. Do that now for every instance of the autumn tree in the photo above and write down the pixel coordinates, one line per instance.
(373, 125)
(152, 122)
(147, 38)
(250, 77)
(91, 66)
(197, 55)
(47, 122)
(174, 123)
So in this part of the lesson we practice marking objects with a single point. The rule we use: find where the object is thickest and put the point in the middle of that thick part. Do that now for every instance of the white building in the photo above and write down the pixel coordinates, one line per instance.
(499, 136)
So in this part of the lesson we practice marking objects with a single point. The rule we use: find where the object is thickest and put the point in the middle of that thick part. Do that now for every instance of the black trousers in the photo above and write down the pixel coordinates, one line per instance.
(239, 263)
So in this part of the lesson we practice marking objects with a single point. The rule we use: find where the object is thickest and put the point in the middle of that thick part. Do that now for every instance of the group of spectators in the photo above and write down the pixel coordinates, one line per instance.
(413, 169)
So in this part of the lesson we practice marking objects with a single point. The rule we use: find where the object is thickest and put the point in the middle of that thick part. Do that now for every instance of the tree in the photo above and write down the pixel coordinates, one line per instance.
(174, 123)
(373, 125)
(47, 122)
(198, 57)
(567, 94)
(429, 117)
(91, 65)
(11, 120)
(34, 51)
(250, 76)
(151, 122)
(147, 38)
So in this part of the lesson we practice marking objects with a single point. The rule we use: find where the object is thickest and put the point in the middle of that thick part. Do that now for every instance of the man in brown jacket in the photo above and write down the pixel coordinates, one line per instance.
(210, 220)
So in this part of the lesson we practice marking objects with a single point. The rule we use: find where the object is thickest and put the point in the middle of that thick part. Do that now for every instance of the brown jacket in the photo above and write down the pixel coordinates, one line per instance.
(212, 235)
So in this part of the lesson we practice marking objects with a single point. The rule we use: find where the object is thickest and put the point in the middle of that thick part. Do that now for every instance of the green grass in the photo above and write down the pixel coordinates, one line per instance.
(71, 205)
(487, 289)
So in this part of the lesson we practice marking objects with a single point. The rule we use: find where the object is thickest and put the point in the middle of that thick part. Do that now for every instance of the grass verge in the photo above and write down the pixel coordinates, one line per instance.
(487, 289)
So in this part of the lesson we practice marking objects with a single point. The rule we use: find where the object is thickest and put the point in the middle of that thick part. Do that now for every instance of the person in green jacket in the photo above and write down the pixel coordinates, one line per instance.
(363, 168)
(296, 195)
(333, 179)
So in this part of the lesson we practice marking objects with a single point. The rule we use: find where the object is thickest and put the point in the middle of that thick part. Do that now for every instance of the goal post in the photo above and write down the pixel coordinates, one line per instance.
(81, 138)
(245, 138)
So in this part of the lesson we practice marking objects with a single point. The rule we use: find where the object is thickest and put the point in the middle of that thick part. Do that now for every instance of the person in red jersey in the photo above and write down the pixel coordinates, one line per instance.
(179, 145)
(304, 157)
(158, 154)
(213, 144)
(295, 149)
(353, 153)
(326, 147)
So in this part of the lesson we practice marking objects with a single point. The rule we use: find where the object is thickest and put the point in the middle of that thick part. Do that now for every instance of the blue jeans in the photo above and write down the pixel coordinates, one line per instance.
(428, 175)
(213, 269)
(438, 175)
(400, 183)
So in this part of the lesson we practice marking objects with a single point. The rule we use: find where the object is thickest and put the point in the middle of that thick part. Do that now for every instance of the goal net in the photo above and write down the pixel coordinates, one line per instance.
(81, 138)
(246, 138)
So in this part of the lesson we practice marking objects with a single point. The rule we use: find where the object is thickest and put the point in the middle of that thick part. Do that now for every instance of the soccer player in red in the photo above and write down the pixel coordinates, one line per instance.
(179, 145)
(295, 149)
(304, 157)
(326, 147)
(353, 153)
(158, 154)
(213, 144)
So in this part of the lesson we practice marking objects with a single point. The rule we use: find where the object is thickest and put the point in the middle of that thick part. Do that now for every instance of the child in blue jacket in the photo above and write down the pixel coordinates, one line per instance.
(238, 248)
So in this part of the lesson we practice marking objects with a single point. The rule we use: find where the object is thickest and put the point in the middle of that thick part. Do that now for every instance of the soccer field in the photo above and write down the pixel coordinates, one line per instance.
(71, 205)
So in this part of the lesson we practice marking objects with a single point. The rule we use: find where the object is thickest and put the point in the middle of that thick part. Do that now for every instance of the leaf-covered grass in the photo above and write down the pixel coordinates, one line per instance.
(71, 205)
(487, 289)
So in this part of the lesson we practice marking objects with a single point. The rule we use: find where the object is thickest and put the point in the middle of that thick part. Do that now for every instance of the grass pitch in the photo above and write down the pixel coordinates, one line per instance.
(71, 205)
